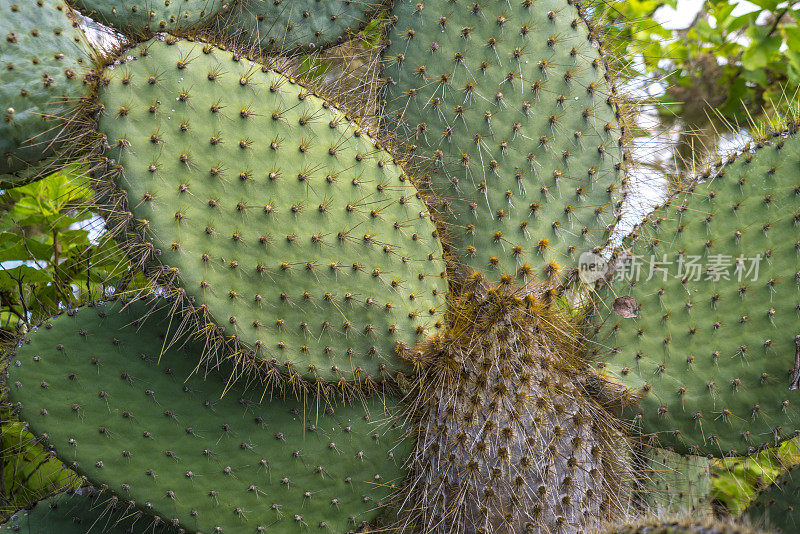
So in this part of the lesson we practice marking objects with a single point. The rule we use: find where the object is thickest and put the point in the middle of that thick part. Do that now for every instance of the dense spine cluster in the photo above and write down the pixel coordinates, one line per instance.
(509, 440)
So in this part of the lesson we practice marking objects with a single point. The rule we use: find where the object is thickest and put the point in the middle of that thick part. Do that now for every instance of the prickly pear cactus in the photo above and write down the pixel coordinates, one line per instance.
(86, 510)
(44, 60)
(100, 388)
(279, 217)
(711, 335)
(676, 484)
(777, 507)
(136, 17)
(304, 357)
(287, 25)
(510, 112)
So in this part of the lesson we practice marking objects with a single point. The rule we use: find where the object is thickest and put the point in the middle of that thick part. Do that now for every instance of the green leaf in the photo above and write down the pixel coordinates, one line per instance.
(15, 247)
(770, 5)
(372, 34)
(25, 273)
(736, 24)
(74, 238)
(703, 31)
(791, 32)
(758, 54)
(44, 202)
(29, 472)
(721, 11)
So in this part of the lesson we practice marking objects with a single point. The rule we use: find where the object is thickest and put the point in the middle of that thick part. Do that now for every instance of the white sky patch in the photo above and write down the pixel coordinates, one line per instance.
(95, 226)
(682, 16)
(100, 36)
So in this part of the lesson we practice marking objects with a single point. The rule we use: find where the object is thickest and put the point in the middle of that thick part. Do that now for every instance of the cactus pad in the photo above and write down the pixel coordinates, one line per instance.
(507, 106)
(137, 16)
(99, 388)
(287, 24)
(778, 506)
(683, 525)
(714, 347)
(279, 216)
(677, 484)
(43, 62)
(84, 511)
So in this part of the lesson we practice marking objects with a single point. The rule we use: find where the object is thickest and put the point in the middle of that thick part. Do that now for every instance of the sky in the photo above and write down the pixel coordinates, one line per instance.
(684, 14)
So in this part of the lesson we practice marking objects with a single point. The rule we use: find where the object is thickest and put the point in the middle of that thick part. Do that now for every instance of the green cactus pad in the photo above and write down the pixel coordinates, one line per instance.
(119, 409)
(280, 217)
(137, 16)
(507, 105)
(677, 484)
(84, 511)
(287, 24)
(43, 60)
(683, 525)
(714, 347)
(777, 507)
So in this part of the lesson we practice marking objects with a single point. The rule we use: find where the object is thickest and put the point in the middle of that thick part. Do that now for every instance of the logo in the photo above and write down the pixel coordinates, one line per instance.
(591, 267)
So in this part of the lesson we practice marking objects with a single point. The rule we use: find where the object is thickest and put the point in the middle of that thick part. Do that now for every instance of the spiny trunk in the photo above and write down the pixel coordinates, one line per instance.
(508, 438)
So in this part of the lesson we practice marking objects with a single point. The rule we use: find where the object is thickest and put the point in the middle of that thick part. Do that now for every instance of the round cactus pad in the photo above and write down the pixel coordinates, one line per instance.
(281, 217)
(507, 107)
(287, 24)
(777, 507)
(137, 16)
(82, 512)
(195, 451)
(43, 66)
(677, 484)
(712, 300)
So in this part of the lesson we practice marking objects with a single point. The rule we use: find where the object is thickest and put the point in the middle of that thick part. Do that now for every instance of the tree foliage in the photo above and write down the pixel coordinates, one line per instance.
(47, 260)
(735, 57)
